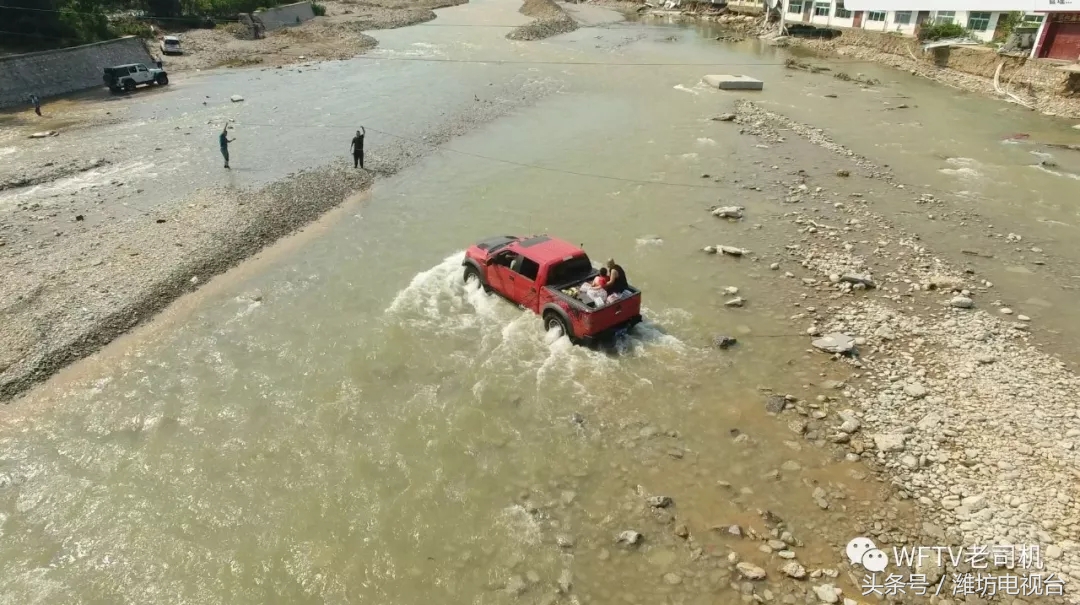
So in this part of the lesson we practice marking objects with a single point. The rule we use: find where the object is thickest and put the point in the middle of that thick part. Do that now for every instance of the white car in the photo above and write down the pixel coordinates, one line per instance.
(170, 45)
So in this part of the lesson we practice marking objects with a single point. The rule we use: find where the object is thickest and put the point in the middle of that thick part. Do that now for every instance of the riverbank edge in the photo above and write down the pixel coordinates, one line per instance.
(220, 229)
(1032, 83)
(550, 20)
(930, 368)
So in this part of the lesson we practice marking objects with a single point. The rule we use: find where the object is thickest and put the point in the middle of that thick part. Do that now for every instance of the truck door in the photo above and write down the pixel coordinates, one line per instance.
(498, 271)
(142, 75)
(523, 278)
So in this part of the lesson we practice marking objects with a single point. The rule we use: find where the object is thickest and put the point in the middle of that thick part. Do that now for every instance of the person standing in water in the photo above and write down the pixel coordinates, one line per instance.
(357, 148)
(36, 102)
(224, 140)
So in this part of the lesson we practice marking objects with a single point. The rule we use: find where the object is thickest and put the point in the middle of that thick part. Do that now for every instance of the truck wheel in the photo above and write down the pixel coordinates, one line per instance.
(553, 320)
(162, 79)
(129, 85)
(472, 274)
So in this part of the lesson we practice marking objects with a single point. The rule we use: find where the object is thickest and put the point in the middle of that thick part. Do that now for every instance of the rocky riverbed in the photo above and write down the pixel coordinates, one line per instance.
(949, 397)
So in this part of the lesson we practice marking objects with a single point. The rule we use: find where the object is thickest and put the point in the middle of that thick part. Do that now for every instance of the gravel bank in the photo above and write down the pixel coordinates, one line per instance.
(551, 20)
(949, 397)
(336, 36)
(71, 286)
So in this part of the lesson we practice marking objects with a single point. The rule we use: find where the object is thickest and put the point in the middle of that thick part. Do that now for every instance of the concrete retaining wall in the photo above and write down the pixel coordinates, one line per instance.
(286, 15)
(56, 72)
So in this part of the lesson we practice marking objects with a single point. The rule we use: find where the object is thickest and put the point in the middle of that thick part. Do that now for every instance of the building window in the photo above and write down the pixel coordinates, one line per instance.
(841, 12)
(795, 8)
(821, 9)
(875, 16)
(945, 17)
(978, 22)
(1033, 20)
(903, 17)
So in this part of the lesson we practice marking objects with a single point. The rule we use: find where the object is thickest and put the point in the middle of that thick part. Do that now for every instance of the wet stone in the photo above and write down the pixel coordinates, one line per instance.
(775, 404)
(660, 501)
(672, 579)
(564, 541)
(793, 569)
(750, 571)
(629, 538)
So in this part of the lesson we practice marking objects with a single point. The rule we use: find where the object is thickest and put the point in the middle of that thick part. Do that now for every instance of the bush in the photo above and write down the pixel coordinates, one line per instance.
(942, 31)
(318, 9)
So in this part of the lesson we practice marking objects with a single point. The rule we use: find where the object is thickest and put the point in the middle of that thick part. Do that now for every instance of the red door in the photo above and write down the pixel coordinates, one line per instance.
(521, 282)
(1062, 41)
(858, 19)
(498, 272)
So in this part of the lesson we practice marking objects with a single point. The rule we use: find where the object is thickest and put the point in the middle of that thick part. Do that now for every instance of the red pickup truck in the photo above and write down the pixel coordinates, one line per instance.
(543, 274)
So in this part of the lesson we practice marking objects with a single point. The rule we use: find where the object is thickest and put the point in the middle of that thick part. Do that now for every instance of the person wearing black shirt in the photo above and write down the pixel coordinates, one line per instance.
(358, 148)
(616, 278)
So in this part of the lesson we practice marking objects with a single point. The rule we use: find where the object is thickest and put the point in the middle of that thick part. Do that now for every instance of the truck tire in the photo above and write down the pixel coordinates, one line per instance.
(553, 320)
(471, 273)
(162, 79)
(129, 85)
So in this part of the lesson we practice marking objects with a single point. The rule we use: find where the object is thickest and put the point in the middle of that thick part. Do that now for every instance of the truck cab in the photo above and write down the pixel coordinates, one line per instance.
(544, 275)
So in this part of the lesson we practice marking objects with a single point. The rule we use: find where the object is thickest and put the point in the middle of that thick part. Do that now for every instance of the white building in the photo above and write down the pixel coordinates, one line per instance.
(831, 13)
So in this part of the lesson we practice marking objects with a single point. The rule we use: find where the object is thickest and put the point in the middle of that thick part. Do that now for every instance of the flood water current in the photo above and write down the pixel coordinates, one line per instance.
(344, 421)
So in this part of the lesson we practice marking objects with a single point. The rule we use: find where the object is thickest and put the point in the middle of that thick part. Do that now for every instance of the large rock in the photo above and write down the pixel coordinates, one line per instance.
(835, 342)
(750, 571)
(889, 442)
(961, 302)
(827, 593)
(729, 212)
(792, 569)
(915, 390)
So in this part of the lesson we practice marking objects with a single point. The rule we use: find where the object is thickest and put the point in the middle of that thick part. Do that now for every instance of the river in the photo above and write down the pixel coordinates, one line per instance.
(343, 421)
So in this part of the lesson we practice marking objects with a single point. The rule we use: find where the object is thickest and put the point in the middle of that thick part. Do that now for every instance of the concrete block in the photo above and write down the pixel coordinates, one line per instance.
(727, 82)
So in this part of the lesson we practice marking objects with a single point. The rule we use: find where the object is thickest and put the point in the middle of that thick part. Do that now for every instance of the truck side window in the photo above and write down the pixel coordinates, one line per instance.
(507, 259)
(528, 268)
(141, 68)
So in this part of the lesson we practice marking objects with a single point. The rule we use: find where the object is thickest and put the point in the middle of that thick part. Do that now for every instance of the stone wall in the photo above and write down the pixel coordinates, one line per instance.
(286, 15)
(56, 72)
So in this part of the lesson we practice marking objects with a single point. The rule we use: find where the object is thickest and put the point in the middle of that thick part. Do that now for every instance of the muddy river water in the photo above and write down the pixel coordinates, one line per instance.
(343, 421)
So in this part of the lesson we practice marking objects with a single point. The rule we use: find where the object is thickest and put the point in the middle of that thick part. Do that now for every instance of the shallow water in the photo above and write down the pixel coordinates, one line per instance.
(349, 422)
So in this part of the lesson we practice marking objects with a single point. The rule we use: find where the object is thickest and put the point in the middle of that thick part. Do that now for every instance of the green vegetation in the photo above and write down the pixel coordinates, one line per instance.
(43, 24)
(318, 9)
(1006, 24)
(942, 31)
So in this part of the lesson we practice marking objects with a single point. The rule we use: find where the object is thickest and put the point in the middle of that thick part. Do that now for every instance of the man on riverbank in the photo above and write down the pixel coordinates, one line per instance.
(224, 140)
(357, 148)
(36, 102)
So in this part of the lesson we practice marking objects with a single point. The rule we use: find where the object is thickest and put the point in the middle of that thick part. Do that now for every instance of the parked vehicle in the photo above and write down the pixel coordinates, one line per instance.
(542, 274)
(126, 77)
(170, 45)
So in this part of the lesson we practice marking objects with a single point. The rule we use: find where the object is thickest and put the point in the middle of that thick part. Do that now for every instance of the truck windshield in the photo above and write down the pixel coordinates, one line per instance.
(572, 271)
